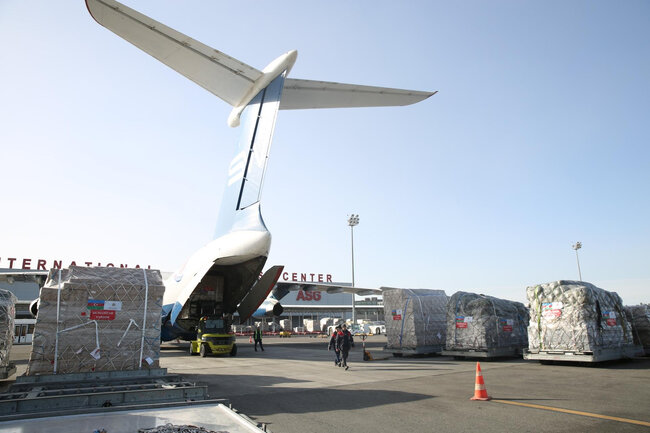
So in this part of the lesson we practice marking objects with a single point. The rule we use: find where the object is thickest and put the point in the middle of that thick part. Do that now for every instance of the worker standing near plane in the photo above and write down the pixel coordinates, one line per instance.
(344, 341)
(257, 336)
(333, 345)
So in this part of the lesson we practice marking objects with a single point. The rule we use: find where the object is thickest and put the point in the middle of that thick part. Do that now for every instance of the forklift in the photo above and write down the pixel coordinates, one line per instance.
(213, 337)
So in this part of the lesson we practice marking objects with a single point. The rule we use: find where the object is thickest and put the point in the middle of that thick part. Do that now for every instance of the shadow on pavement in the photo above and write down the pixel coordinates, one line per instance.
(299, 401)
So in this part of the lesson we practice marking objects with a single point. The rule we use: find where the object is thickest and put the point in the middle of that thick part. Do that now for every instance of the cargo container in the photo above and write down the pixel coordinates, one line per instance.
(639, 318)
(485, 326)
(576, 321)
(415, 320)
(97, 319)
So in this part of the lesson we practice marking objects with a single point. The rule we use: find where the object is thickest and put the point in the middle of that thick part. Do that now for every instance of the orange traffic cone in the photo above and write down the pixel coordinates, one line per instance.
(480, 393)
(250, 339)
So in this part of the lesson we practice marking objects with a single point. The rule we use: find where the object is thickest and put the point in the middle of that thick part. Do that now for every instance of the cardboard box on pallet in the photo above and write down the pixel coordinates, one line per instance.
(7, 320)
(481, 322)
(576, 316)
(101, 316)
(415, 318)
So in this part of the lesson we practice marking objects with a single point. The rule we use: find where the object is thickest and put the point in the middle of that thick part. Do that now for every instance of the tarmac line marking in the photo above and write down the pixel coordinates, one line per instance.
(575, 412)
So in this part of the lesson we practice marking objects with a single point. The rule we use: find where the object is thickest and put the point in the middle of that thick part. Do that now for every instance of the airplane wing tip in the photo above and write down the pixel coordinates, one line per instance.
(425, 96)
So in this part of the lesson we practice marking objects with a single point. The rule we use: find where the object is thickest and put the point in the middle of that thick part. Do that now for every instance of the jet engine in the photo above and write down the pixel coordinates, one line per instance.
(33, 307)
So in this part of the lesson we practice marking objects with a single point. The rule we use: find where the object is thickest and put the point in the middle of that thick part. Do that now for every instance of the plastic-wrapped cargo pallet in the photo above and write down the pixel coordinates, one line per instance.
(311, 325)
(7, 320)
(285, 324)
(639, 317)
(484, 323)
(97, 319)
(576, 316)
(415, 320)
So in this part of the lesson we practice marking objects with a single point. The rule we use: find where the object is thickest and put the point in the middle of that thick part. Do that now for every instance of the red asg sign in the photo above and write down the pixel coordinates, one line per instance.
(308, 296)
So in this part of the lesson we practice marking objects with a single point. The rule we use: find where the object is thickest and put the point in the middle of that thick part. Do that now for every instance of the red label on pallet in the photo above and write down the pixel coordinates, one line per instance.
(461, 325)
(102, 314)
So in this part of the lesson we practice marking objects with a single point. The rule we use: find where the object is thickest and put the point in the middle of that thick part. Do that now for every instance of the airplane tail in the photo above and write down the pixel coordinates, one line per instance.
(240, 208)
(253, 94)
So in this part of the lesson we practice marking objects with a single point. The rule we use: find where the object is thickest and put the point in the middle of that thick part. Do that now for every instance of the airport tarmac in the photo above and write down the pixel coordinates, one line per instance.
(293, 386)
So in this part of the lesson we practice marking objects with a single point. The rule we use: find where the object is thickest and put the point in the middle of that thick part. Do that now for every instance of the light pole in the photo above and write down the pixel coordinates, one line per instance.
(353, 220)
(576, 247)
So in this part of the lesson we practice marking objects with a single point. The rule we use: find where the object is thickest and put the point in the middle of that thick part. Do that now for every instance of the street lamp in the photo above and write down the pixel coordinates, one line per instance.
(353, 220)
(576, 247)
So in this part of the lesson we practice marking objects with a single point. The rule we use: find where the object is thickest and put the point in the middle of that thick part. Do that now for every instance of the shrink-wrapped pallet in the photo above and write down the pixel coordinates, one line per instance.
(415, 318)
(325, 323)
(639, 317)
(108, 319)
(311, 325)
(7, 320)
(576, 316)
(480, 322)
(285, 324)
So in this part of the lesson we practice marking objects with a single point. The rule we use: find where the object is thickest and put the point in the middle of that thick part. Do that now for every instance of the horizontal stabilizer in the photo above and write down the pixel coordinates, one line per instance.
(299, 94)
(230, 79)
(218, 73)
(258, 293)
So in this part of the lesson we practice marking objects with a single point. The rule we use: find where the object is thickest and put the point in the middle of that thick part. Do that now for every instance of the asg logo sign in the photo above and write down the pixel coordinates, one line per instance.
(308, 296)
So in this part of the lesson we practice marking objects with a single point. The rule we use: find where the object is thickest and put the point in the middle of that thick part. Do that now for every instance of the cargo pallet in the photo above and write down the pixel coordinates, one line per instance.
(44, 395)
(500, 352)
(420, 350)
(598, 355)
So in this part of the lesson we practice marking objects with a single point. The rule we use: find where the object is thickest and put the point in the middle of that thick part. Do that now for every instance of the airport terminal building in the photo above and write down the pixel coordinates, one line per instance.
(317, 305)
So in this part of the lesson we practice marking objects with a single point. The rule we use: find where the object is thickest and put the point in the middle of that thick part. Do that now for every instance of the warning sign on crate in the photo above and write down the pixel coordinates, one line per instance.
(397, 314)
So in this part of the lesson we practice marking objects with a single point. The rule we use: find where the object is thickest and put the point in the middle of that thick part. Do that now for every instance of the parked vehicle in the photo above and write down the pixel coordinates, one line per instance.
(213, 337)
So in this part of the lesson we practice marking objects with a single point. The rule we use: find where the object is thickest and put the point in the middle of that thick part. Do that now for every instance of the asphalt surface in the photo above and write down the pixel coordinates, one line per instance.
(293, 386)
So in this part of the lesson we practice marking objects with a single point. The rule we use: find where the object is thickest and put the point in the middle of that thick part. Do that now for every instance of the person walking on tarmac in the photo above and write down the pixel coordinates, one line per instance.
(332, 345)
(257, 336)
(344, 341)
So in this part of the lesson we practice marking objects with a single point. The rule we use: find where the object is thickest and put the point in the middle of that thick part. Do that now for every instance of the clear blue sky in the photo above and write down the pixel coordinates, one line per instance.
(539, 137)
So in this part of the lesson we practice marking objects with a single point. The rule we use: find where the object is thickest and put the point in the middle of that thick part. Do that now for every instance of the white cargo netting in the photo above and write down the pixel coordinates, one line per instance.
(7, 320)
(415, 318)
(639, 317)
(576, 316)
(97, 319)
(480, 322)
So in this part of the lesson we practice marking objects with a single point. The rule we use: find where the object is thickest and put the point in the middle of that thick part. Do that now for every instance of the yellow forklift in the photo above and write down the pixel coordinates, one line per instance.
(213, 337)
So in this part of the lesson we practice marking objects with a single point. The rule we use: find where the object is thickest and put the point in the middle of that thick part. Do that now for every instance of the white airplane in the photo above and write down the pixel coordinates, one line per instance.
(223, 276)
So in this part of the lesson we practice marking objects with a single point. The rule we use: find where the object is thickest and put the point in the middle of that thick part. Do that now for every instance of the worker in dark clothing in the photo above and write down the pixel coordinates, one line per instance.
(257, 336)
(332, 345)
(344, 341)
